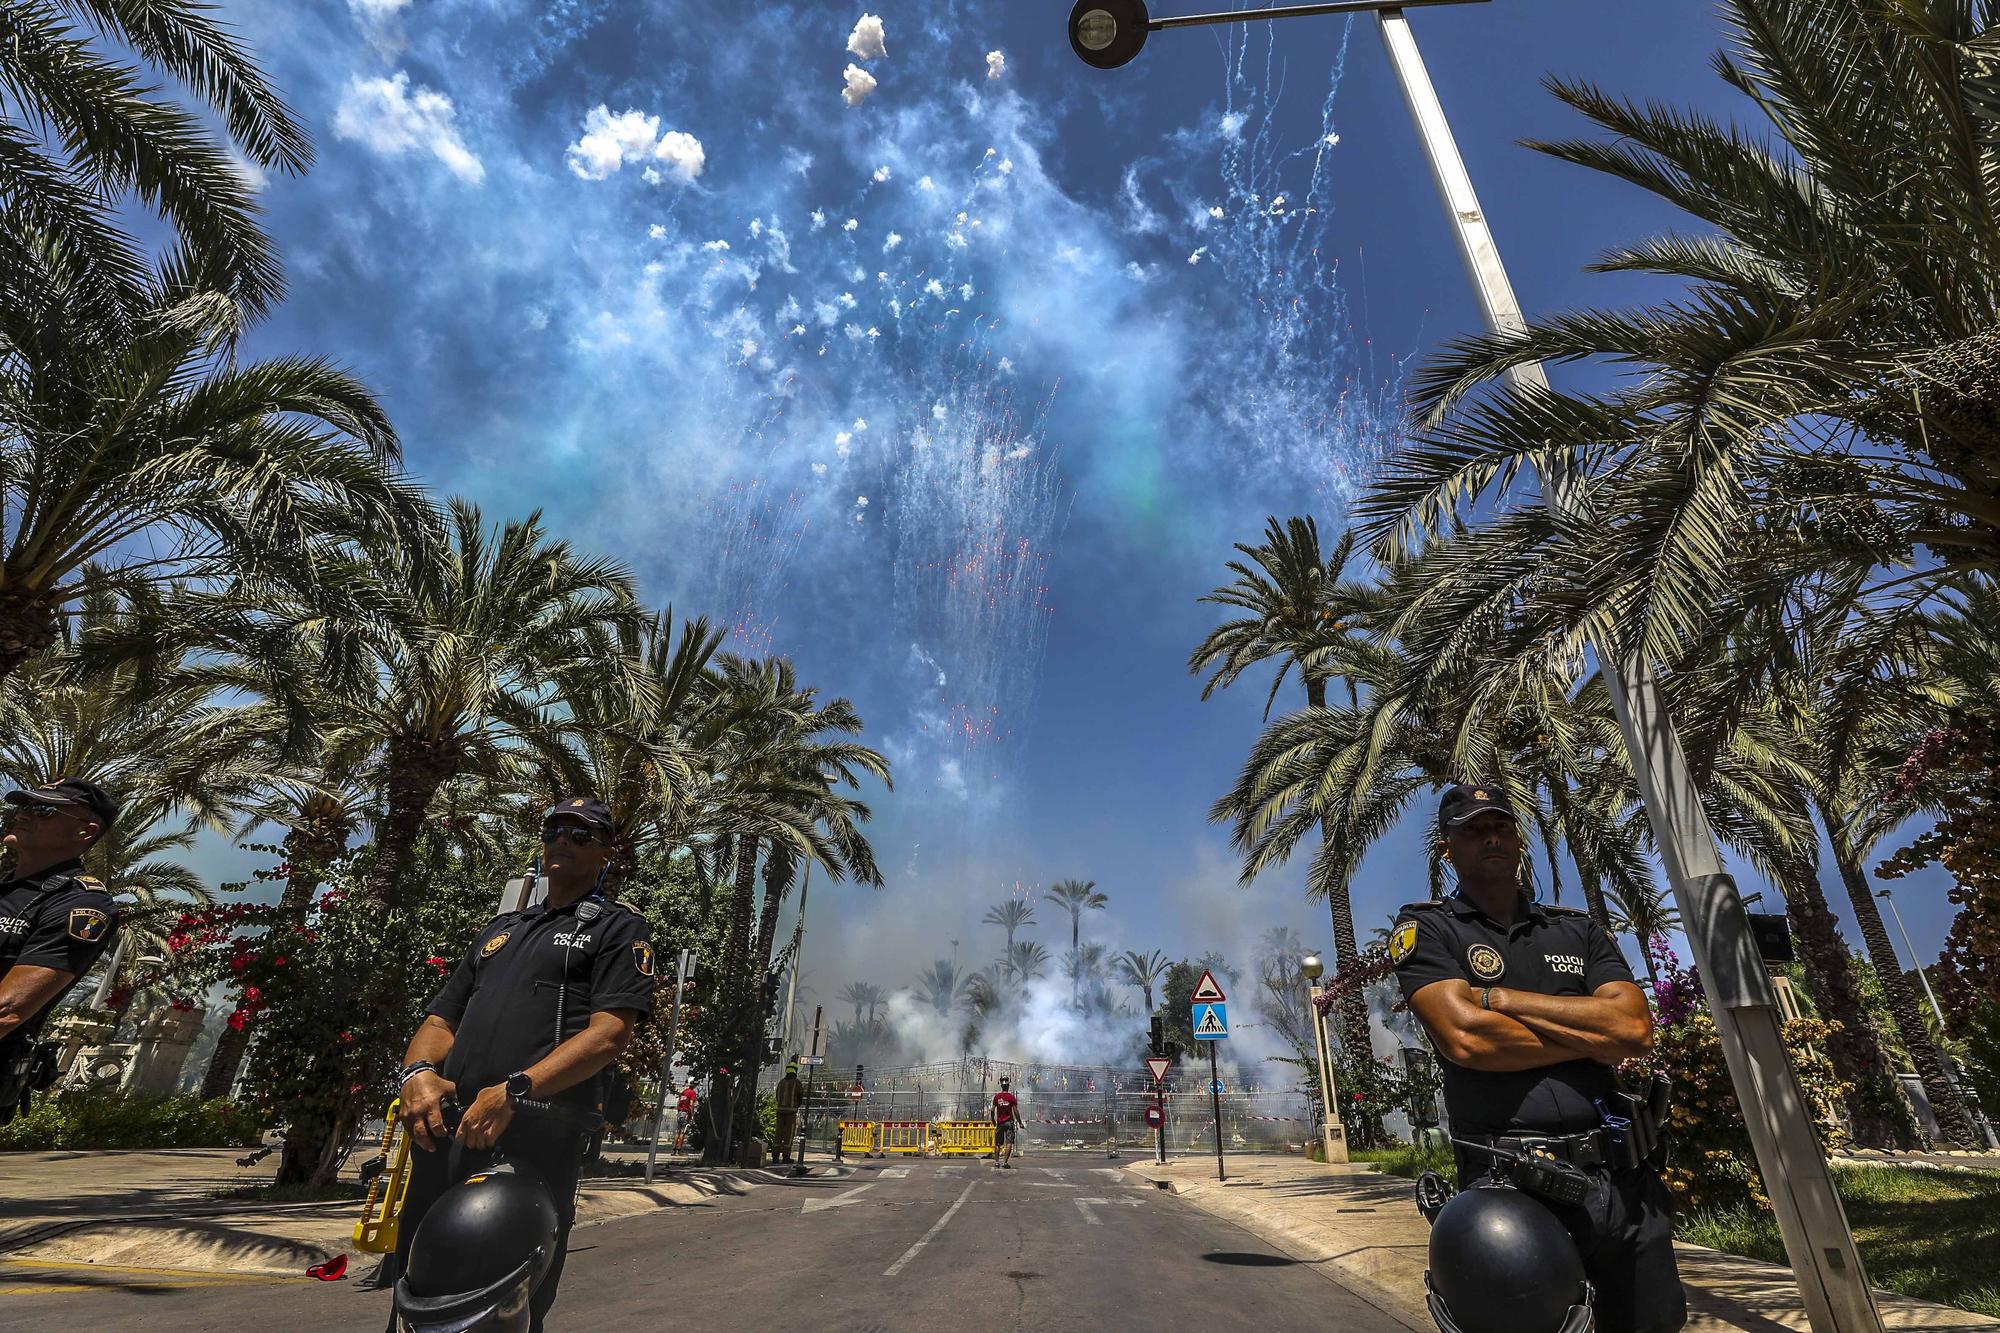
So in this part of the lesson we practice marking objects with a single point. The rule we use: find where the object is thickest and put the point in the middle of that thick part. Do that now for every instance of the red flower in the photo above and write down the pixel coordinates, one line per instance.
(279, 961)
(347, 1038)
(238, 1019)
(251, 994)
(436, 962)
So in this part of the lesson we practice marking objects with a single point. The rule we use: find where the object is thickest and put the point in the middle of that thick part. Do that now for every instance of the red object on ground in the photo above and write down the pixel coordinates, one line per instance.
(332, 1270)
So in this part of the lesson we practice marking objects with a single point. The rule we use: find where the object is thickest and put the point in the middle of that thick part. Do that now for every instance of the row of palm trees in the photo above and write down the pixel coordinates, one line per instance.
(220, 595)
(1788, 506)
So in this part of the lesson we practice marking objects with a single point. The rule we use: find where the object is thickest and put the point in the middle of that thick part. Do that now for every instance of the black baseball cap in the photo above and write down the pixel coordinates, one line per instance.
(587, 810)
(1463, 802)
(70, 791)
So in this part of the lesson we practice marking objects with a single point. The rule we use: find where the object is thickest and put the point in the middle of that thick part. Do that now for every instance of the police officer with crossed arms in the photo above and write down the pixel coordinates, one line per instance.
(1530, 1007)
(505, 1069)
(54, 921)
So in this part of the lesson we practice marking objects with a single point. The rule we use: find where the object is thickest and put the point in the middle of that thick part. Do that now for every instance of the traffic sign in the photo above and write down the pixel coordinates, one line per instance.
(1157, 1066)
(1217, 1087)
(1154, 1119)
(854, 1093)
(1211, 1022)
(812, 1059)
(1206, 991)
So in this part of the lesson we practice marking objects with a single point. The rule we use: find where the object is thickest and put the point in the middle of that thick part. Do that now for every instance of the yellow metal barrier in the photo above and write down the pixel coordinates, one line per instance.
(857, 1136)
(905, 1136)
(375, 1233)
(962, 1138)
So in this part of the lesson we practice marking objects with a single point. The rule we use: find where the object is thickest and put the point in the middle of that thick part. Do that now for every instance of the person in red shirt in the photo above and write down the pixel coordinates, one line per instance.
(1006, 1115)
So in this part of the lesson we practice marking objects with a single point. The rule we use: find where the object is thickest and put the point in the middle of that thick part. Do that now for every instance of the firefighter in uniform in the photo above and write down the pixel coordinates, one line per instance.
(55, 921)
(788, 1095)
(1530, 1007)
(506, 1065)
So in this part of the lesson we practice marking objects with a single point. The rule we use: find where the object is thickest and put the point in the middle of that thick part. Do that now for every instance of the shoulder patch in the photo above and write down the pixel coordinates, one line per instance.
(642, 957)
(88, 924)
(90, 882)
(1402, 941)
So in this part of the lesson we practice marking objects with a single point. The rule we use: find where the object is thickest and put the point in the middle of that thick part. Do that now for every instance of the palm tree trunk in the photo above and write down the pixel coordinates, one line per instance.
(1952, 1120)
(1877, 1112)
(1586, 873)
(415, 773)
(735, 994)
(28, 626)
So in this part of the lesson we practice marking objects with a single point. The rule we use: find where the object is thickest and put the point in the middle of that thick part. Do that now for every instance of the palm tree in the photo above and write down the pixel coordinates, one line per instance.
(86, 127)
(155, 436)
(1142, 972)
(1824, 382)
(1301, 610)
(1010, 916)
(1075, 896)
(863, 995)
(941, 987)
(1026, 961)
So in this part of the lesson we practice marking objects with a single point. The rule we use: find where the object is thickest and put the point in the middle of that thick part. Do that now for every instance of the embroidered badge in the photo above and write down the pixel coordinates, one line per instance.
(494, 945)
(1402, 941)
(91, 882)
(87, 924)
(642, 955)
(1485, 961)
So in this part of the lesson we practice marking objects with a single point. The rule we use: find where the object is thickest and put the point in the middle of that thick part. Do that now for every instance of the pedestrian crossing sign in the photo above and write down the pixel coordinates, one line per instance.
(1211, 1022)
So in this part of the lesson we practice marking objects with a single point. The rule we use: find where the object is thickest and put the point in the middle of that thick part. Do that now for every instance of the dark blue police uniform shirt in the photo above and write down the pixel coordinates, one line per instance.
(58, 918)
(501, 999)
(1549, 951)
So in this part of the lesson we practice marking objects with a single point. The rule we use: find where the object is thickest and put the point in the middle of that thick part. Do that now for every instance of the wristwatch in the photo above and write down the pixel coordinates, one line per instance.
(519, 1086)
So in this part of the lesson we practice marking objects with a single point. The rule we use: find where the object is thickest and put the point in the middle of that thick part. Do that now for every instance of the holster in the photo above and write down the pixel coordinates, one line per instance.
(1643, 1140)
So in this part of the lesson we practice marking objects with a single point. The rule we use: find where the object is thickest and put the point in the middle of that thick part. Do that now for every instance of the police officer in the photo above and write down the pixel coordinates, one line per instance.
(1530, 1007)
(543, 1000)
(54, 920)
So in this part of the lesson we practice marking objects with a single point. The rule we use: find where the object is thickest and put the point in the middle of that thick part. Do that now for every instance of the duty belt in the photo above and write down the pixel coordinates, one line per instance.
(569, 1117)
(1588, 1151)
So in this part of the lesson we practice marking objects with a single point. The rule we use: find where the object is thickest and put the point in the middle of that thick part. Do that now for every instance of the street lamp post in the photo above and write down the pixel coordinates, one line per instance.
(1833, 1284)
(1333, 1134)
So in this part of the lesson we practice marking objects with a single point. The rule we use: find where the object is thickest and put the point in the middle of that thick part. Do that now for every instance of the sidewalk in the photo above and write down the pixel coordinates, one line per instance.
(1362, 1229)
(157, 1210)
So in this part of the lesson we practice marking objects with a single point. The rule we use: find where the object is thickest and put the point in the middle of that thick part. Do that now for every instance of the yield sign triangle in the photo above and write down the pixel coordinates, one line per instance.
(1157, 1066)
(1206, 991)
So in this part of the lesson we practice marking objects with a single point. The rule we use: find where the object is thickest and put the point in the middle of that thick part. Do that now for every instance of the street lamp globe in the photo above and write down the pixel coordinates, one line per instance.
(1312, 967)
(1108, 33)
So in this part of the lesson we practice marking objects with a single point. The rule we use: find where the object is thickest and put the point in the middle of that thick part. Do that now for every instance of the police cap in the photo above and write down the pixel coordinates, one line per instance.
(588, 810)
(1463, 802)
(70, 791)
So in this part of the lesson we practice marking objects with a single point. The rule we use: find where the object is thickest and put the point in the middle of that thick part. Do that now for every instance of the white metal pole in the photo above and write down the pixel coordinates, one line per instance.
(798, 951)
(1832, 1282)
(1333, 1132)
(1911, 950)
(681, 971)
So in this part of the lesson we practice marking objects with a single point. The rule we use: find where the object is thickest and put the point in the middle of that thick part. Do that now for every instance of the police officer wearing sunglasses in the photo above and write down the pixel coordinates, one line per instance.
(55, 921)
(1531, 1006)
(543, 1001)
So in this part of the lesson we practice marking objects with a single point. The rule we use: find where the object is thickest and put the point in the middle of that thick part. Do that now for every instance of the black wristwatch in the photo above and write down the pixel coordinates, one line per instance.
(519, 1086)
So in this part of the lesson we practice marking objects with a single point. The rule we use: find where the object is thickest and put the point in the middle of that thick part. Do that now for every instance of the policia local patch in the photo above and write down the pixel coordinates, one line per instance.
(88, 924)
(1402, 941)
(1485, 961)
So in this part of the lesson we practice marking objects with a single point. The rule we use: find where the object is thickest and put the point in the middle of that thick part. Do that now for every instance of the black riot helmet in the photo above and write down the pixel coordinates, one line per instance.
(478, 1256)
(1500, 1262)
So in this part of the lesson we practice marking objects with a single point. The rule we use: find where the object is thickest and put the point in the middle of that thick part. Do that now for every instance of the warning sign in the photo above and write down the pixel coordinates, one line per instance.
(1211, 1022)
(1206, 991)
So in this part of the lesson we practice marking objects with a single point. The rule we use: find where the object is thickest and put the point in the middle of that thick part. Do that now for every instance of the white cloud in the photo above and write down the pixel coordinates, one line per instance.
(1232, 124)
(881, 174)
(818, 219)
(1332, 140)
(610, 141)
(715, 245)
(927, 185)
(868, 40)
(657, 232)
(851, 224)
(934, 287)
(819, 469)
(1195, 258)
(749, 348)
(996, 64)
(860, 83)
(1215, 210)
(895, 239)
(1006, 166)
(386, 116)
(938, 412)
(1006, 366)
(376, 11)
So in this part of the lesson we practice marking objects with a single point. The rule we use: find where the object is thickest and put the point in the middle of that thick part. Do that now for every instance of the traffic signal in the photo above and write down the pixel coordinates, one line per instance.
(774, 1047)
(1173, 1051)
(1159, 1035)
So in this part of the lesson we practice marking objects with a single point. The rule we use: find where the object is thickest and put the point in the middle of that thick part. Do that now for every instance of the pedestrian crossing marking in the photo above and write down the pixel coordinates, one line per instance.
(895, 1172)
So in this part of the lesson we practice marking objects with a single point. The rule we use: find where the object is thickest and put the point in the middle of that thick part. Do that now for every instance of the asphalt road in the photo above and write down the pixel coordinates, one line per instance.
(892, 1245)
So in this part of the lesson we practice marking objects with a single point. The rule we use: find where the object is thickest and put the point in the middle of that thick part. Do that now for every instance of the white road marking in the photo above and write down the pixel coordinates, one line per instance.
(840, 1200)
(1052, 1171)
(895, 1172)
(1083, 1206)
(925, 1239)
(951, 1166)
(1050, 1185)
(1109, 1172)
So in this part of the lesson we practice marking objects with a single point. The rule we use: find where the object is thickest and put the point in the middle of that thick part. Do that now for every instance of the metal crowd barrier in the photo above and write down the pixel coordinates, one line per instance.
(908, 1137)
(962, 1138)
(857, 1136)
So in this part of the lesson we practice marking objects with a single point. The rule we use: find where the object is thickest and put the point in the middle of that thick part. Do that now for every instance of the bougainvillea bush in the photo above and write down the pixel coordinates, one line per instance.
(1711, 1163)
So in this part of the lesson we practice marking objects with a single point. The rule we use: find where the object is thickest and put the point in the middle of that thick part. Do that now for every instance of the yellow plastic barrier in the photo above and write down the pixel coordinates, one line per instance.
(375, 1233)
(857, 1136)
(962, 1138)
(905, 1136)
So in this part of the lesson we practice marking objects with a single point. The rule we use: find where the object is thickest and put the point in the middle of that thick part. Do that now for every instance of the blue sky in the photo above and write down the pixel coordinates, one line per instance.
(928, 356)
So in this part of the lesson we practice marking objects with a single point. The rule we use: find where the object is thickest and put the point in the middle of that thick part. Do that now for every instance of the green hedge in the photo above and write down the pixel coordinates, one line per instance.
(119, 1120)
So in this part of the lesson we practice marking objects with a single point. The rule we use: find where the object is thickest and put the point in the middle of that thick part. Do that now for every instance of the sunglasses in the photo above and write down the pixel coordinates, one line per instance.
(575, 833)
(40, 810)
